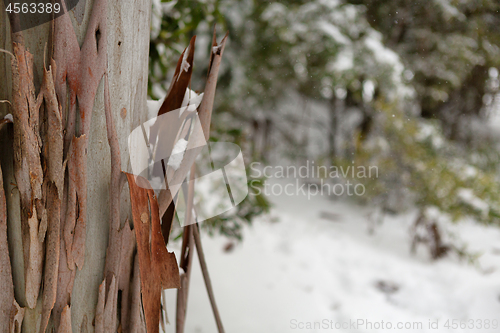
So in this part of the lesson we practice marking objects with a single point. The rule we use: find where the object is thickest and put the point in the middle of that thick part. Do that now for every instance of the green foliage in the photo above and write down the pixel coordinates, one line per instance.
(424, 59)
(446, 45)
(173, 25)
(411, 153)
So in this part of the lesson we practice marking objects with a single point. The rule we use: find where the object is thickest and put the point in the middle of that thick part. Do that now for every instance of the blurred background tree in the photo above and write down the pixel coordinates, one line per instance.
(408, 86)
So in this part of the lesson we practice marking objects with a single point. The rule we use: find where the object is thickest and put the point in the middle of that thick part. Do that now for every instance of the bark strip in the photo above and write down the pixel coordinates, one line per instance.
(6, 285)
(205, 113)
(158, 267)
(27, 167)
(54, 183)
(186, 258)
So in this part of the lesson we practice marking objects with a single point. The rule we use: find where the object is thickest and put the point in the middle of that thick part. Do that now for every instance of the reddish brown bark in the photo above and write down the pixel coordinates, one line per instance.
(158, 267)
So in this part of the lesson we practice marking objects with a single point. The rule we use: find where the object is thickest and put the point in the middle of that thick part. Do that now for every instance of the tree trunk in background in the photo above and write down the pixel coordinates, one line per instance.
(336, 110)
(128, 50)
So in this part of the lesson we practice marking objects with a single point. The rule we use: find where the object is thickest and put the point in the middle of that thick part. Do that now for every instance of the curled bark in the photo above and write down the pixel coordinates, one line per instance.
(27, 167)
(126, 269)
(137, 320)
(33, 261)
(54, 179)
(180, 80)
(74, 228)
(52, 255)
(39, 176)
(205, 113)
(16, 318)
(7, 305)
(51, 134)
(65, 326)
(158, 267)
(99, 312)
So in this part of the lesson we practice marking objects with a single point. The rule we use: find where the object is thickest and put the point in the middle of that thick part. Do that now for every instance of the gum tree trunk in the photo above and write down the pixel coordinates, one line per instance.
(128, 26)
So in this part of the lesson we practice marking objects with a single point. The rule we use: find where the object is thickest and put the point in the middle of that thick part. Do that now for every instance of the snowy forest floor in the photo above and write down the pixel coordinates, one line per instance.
(295, 268)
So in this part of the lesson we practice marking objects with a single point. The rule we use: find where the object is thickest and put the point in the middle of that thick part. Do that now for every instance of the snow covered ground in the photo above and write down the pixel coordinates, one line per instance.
(296, 270)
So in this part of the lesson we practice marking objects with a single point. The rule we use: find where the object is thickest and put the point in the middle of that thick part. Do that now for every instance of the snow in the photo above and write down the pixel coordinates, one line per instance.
(333, 32)
(293, 266)
(167, 7)
(216, 49)
(184, 65)
(156, 17)
(430, 131)
(190, 102)
(156, 183)
(469, 172)
(191, 99)
(8, 116)
(154, 107)
(382, 53)
(178, 151)
(449, 10)
(273, 12)
(467, 196)
(159, 9)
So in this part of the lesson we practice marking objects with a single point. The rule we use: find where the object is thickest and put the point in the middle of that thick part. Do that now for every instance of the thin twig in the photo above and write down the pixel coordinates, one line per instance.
(182, 292)
(8, 52)
(206, 277)
(186, 257)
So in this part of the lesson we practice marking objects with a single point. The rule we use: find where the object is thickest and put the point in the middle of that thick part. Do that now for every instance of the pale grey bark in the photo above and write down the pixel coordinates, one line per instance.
(128, 51)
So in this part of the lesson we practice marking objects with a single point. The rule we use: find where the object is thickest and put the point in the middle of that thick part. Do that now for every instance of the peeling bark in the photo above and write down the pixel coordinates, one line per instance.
(204, 113)
(168, 131)
(137, 320)
(51, 134)
(27, 167)
(99, 312)
(158, 267)
(110, 308)
(16, 318)
(53, 153)
(75, 222)
(65, 326)
(180, 80)
(80, 70)
(54, 144)
(52, 255)
(121, 243)
(106, 309)
(33, 261)
(6, 286)
(125, 277)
